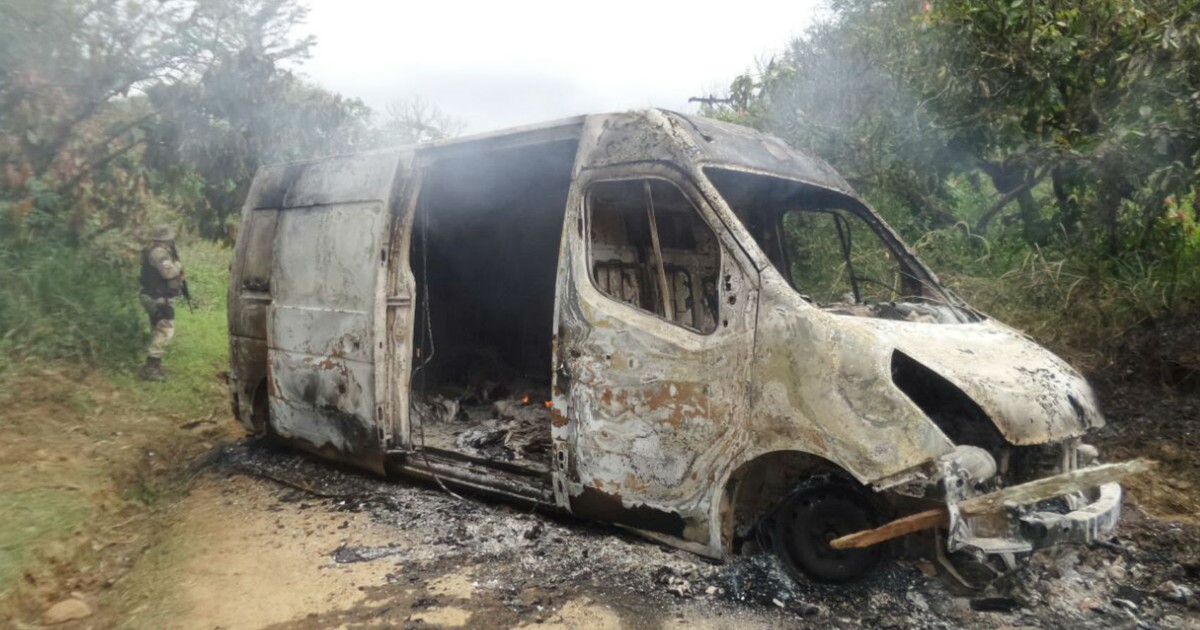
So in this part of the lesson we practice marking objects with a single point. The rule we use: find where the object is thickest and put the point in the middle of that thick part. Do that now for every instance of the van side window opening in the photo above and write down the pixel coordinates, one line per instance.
(651, 249)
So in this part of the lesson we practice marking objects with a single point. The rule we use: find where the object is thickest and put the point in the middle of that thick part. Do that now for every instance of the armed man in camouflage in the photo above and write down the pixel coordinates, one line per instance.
(162, 281)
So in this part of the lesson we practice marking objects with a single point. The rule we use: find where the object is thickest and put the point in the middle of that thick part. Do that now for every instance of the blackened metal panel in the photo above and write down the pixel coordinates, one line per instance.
(343, 179)
(326, 318)
(271, 185)
(247, 309)
(248, 368)
(251, 278)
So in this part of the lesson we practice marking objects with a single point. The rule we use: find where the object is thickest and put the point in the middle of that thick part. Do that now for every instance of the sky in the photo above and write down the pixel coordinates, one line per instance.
(498, 64)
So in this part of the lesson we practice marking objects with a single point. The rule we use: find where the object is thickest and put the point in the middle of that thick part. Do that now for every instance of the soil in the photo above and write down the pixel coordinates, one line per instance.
(233, 534)
(271, 539)
(85, 473)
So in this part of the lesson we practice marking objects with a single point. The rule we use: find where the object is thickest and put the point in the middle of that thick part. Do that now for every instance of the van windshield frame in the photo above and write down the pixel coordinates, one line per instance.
(761, 201)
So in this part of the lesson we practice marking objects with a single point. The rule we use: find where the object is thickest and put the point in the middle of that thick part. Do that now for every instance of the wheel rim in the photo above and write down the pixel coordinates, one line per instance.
(809, 522)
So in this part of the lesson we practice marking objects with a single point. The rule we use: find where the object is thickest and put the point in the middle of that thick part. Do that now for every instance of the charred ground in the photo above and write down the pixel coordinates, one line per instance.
(517, 567)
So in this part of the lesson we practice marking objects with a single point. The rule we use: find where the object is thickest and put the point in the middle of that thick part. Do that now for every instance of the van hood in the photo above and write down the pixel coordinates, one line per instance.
(1031, 395)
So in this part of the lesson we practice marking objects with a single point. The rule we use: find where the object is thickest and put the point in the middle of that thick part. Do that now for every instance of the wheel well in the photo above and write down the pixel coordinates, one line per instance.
(757, 486)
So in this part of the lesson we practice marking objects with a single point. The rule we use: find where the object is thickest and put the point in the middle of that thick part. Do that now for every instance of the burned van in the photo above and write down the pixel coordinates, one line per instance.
(677, 325)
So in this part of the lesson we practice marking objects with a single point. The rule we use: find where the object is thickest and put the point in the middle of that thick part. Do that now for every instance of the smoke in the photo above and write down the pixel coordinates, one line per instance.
(506, 64)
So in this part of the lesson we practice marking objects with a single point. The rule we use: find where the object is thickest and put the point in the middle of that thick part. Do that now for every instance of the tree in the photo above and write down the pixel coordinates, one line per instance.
(1042, 89)
(245, 107)
(415, 121)
(1098, 98)
(827, 94)
(110, 109)
(69, 74)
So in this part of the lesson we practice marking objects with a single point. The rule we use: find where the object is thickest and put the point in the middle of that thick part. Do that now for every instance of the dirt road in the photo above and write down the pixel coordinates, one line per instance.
(332, 549)
(245, 551)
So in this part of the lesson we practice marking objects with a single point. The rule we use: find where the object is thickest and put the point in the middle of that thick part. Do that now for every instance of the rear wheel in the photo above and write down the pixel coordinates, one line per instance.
(814, 515)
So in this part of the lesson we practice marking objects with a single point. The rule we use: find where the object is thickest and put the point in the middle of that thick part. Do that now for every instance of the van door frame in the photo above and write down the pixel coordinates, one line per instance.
(579, 387)
(497, 478)
(394, 365)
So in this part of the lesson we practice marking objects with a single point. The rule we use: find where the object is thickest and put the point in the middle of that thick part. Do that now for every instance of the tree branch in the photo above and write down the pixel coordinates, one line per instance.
(100, 164)
(1008, 197)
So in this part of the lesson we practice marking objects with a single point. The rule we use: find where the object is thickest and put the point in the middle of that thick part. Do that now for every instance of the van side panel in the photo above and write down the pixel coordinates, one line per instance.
(326, 318)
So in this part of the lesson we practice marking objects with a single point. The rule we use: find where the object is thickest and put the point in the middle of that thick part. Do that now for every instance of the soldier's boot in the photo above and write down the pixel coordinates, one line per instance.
(152, 370)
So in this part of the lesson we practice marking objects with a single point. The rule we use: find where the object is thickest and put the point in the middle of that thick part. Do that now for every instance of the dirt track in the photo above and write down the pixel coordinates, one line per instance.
(332, 549)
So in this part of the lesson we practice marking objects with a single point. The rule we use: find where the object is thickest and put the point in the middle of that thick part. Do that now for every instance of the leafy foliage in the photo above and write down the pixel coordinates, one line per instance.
(1084, 117)
(1100, 97)
(60, 302)
(244, 108)
(818, 258)
(116, 115)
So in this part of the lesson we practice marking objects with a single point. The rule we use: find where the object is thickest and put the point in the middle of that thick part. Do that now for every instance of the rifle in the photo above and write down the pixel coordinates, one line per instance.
(187, 295)
(183, 286)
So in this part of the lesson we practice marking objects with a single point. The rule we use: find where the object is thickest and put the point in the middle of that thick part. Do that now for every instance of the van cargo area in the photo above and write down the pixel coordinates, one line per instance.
(484, 256)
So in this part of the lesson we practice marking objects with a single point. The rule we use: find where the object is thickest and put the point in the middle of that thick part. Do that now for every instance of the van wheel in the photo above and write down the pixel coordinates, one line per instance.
(813, 515)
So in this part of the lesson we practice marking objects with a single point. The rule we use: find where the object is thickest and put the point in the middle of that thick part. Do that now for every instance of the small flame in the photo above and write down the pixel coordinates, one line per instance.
(549, 404)
(525, 399)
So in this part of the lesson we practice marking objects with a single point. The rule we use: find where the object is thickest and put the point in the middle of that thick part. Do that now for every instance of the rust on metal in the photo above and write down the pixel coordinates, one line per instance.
(690, 381)
(1000, 500)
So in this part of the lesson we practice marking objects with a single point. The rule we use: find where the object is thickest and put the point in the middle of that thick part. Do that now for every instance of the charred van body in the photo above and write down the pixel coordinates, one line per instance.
(678, 325)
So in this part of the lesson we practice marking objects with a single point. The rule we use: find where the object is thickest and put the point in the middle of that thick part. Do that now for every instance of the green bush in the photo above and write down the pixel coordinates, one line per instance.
(62, 302)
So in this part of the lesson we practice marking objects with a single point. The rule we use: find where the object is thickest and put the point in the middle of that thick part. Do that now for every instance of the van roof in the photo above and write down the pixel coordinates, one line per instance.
(717, 143)
(742, 148)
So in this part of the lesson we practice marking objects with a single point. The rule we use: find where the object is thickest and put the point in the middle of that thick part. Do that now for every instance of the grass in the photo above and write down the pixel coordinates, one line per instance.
(199, 353)
(84, 444)
(65, 303)
(30, 517)
(1074, 308)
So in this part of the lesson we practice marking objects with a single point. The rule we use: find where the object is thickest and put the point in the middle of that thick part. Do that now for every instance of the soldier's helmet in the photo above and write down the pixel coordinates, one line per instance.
(162, 233)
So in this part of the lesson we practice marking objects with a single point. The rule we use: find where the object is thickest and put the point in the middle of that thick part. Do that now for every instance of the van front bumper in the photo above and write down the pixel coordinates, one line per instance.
(1084, 525)
(1021, 529)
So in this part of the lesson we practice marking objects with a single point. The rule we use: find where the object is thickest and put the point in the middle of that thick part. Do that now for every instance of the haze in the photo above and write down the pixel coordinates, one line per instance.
(495, 65)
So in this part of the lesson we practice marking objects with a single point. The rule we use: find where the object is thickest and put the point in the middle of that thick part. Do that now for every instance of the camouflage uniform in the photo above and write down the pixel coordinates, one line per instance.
(162, 281)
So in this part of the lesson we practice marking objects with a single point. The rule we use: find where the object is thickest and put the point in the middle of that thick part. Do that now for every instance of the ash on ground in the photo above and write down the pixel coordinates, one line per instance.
(490, 424)
(526, 563)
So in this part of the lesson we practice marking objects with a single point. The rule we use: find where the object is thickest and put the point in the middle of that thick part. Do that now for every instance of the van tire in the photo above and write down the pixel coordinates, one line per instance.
(810, 517)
